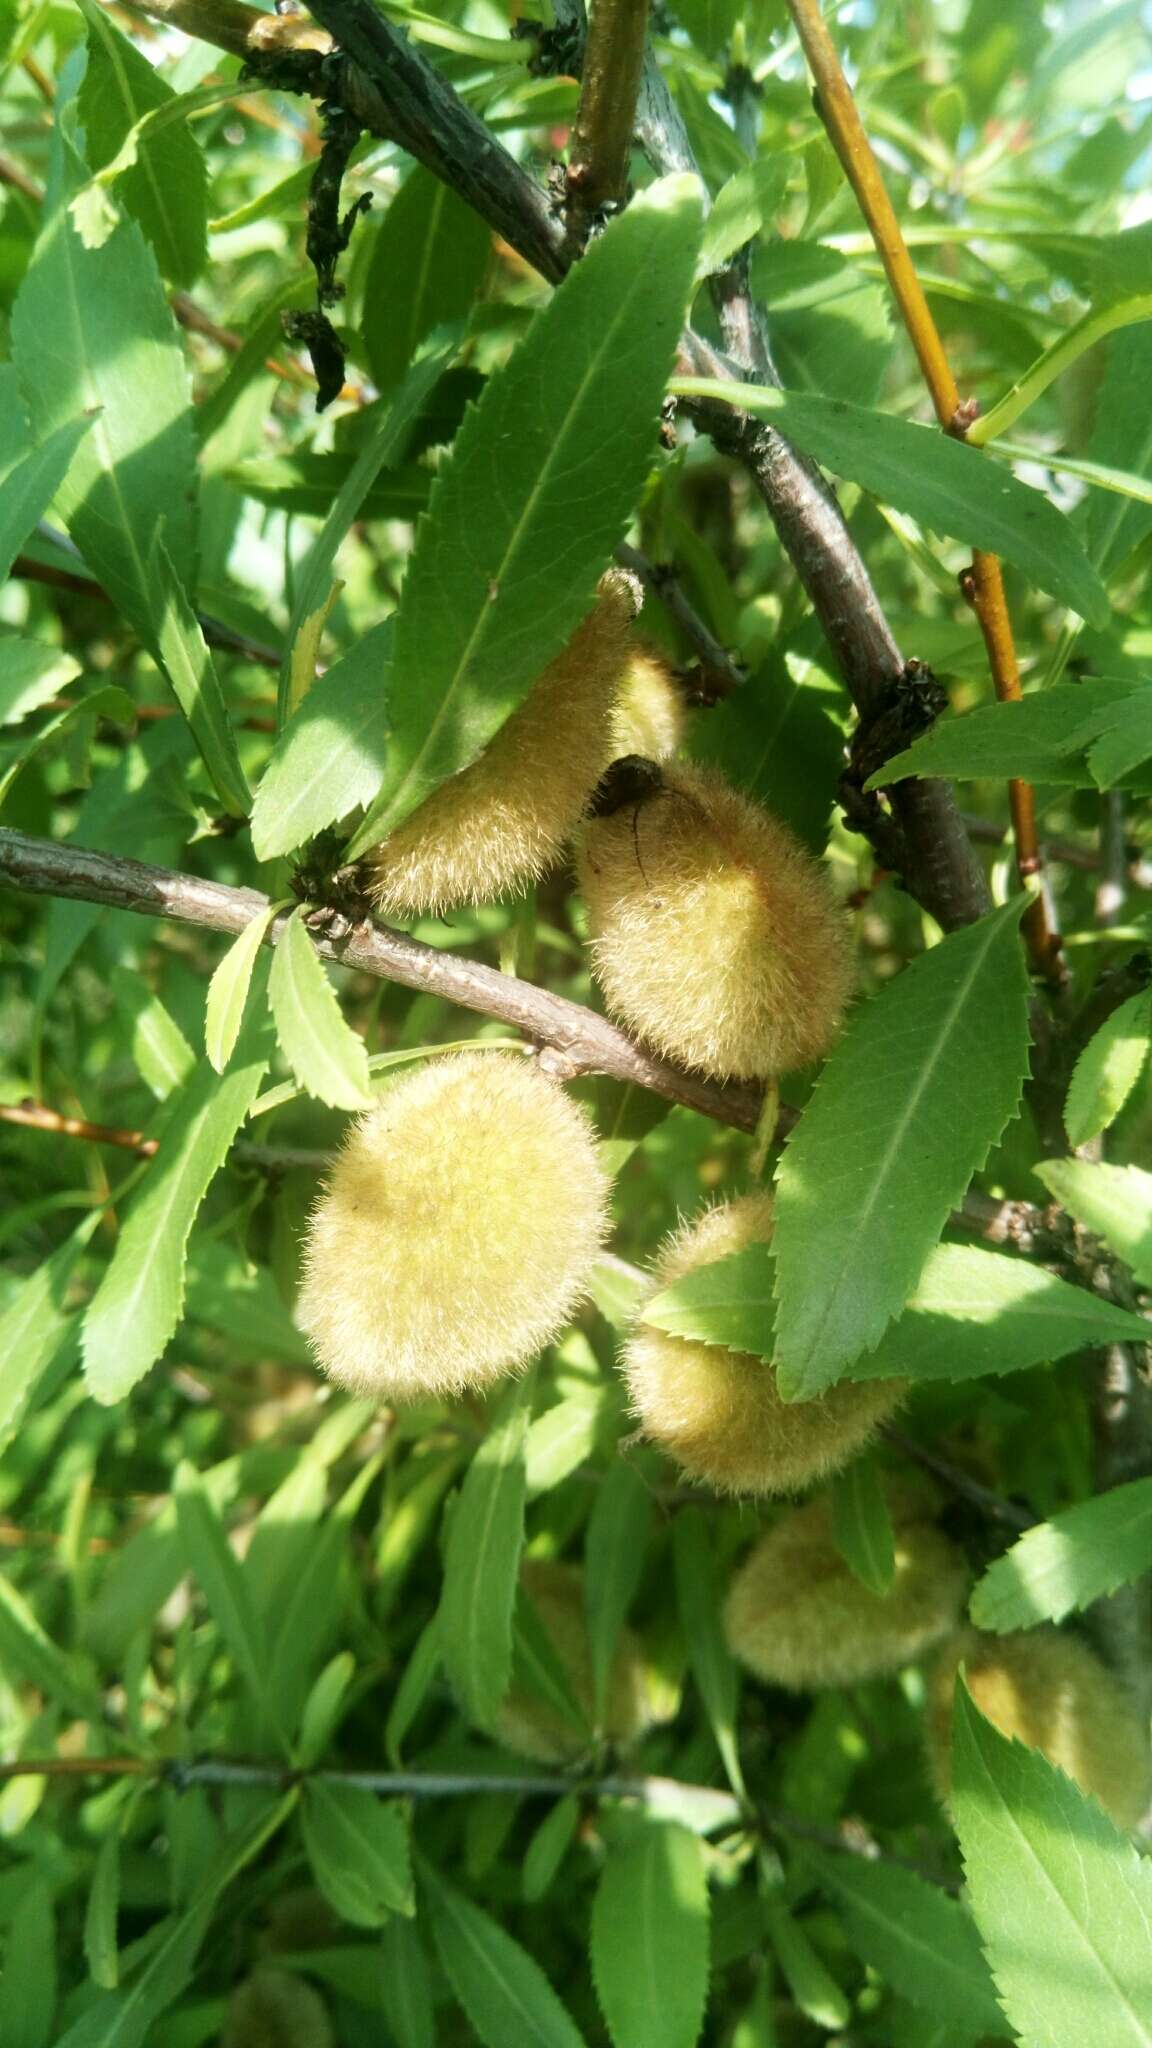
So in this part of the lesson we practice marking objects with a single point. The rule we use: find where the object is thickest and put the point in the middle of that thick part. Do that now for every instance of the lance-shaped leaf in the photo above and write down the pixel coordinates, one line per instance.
(946, 486)
(92, 330)
(502, 1989)
(1043, 738)
(922, 1942)
(137, 1306)
(166, 189)
(358, 1848)
(1065, 1564)
(1115, 1201)
(228, 989)
(541, 479)
(650, 1939)
(905, 1112)
(28, 488)
(178, 642)
(1062, 1900)
(1108, 1069)
(330, 757)
(699, 1603)
(428, 258)
(863, 1526)
(323, 1051)
(482, 1560)
(614, 1551)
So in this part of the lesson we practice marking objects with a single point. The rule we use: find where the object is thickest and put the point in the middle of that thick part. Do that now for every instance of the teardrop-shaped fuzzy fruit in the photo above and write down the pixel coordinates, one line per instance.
(494, 828)
(715, 934)
(1048, 1690)
(718, 1412)
(530, 1723)
(457, 1230)
(650, 714)
(798, 1616)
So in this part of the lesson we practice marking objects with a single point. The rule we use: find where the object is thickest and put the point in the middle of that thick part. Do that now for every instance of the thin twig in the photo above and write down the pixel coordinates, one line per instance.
(720, 674)
(272, 1159)
(985, 587)
(953, 1476)
(601, 143)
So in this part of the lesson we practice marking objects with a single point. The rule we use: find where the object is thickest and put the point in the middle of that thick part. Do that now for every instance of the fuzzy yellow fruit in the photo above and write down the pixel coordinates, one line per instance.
(457, 1230)
(649, 716)
(527, 1722)
(718, 1412)
(715, 933)
(1050, 1691)
(798, 1617)
(501, 822)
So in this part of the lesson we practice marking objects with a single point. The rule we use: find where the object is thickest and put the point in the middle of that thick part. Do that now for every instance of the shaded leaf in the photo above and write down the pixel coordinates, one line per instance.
(482, 1560)
(327, 1057)
(815, 1990)
(862, 1525)
(28, 1984)
(650, 1939)
(358, 1848)
(699, 1601)
(161, 1051)
(183, 653)
(101, 1950)
(166, 189)
(428, 260)
(210, 1557)
(504, 1992)
(1042, 738)
(28, 488)
(906, 1110)
(404, 1989)
(1071, 1560)
(1108, 1069)
(614, 1549)
(1115, 1201)
(922, 1942)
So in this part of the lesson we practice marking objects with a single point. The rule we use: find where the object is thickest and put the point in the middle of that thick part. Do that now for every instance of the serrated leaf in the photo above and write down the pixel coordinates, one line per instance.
(727, 1302)
(161, 1051)
(1108, 1069)
(650, 1939)
(502, 1989)
(28, 488)
(323, 1051)
(428, 259)
(1125, 745)
(1066, 1563)
(101, 1951)
(1114, 1201)
(742, 208)
(331, 755)
(166, 190)
(92, 328)
(482, 1561)
(228, 989)
(862, 1525)
(1042, 738)
(137, 1305)
(922, 1942)
(405, 1992)
(946, 486)
(540, 481)
(1062, 1900)
(178, 642)
(812, 1985)
(358, 1848)
(210, 1558)
(107, 702)
(699, 1603)
(380, 451)
(906, 1110)
(615, 1546)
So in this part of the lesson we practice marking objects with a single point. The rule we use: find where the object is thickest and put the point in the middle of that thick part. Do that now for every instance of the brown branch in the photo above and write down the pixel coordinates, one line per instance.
(577, 1041)
(270, 1159)
(985, 587)
(601, 142)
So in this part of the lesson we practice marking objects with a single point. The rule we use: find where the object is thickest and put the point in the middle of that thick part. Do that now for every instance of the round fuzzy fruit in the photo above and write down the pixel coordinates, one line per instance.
(497, 826)
(715, 934)
(718, 1412)
(1050, 1691)
(456, 1232)
(798, 1616)
(649, 717)
(527, 1722)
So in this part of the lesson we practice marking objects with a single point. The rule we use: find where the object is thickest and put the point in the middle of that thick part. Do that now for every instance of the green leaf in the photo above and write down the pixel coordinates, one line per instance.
(742, 208)
(534, 497)
(166, 190)
(650, 1939)
(27, 1652)
(1121, 434)
(1094, 326)
(906, 1110)
(1126, 742)
(482, 1560)
(323, 1708)
(228, 989)
(358, 1849)
(213, 1563)
(974, 1312)
(91, 328)
(28, 1985)
(323, 1051)
(561, 1439)
(615, 1546)
(698, 1599)
(548, 1848)
(330, 757)
(137, 1305)
(922, 1942)
(379, 451)
(428, 260)
(1041, 738)
(1108, 1069)
(27, 489)
(30, 674)
(727, 1302)
(33, 1327)
(504, 1992)
(945, 485)
(862, 1525)
(814, 1989)
(1114, 1201)
(405, 1992)
(108, 702)
(161, 1051)
(101, 1950)
(182, 651)
(1066, 1563)
(1062, 1900)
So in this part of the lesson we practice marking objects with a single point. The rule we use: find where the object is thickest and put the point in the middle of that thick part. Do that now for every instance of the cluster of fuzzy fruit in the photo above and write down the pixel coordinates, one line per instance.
(464, 1216)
